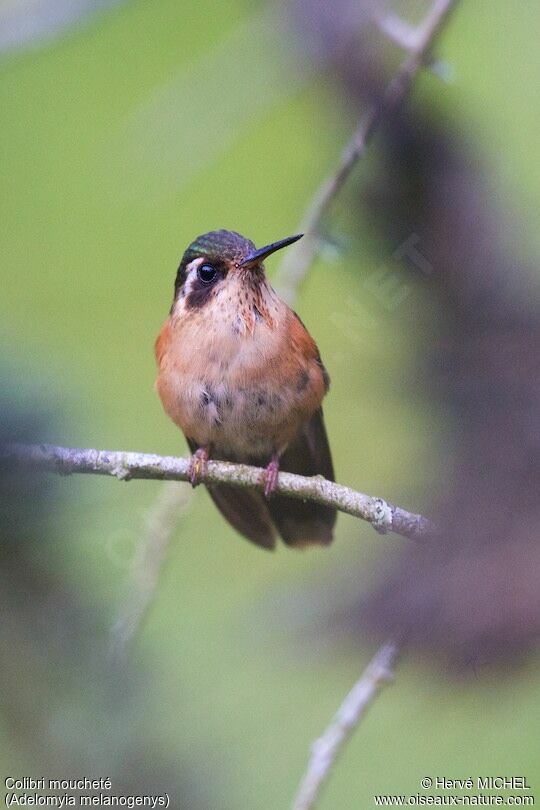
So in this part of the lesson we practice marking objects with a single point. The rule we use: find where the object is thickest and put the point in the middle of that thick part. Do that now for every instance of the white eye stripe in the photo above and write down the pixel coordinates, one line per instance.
(191, 274)
(191, 269)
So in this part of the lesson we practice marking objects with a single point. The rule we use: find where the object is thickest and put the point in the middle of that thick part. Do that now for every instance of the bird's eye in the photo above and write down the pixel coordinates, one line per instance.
(207, 273)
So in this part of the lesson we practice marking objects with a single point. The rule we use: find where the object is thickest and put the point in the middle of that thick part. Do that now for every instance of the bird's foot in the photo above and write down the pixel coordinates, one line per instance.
(270, 476)
(198, 465)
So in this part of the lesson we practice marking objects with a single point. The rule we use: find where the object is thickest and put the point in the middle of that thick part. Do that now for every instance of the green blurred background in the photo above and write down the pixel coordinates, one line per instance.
(122, 139)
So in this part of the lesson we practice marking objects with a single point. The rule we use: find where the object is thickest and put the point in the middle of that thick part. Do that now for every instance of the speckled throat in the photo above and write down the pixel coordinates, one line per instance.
(257, 300)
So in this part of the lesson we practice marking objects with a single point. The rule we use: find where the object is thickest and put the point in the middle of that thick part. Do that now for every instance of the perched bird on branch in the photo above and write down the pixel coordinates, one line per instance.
(243, 379)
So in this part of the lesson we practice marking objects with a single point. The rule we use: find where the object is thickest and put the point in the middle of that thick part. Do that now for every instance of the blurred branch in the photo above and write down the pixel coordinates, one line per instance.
(160, 522)
(124, 465)
(326, 749)
(299, 259)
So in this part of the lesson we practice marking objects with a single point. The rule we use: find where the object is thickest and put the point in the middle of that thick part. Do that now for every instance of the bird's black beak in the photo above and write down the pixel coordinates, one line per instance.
(257, 256)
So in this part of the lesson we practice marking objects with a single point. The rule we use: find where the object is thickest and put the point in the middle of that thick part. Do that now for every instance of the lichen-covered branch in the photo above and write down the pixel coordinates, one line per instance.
(125, 465)
(299, 258)
(326, 749)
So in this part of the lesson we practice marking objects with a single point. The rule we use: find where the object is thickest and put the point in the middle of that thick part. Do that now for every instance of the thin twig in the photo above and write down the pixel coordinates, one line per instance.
(326, 749)
(298, 259)
(127, 465)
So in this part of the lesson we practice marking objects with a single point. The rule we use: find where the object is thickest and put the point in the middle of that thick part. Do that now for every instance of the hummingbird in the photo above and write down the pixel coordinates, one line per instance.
(243, 379)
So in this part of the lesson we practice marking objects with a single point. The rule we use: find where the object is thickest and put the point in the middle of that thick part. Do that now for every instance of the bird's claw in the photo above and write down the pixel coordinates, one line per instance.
(270, 477)
(198, 465)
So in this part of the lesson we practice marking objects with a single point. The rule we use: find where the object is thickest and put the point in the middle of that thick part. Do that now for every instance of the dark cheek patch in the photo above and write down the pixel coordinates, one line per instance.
(199, 295)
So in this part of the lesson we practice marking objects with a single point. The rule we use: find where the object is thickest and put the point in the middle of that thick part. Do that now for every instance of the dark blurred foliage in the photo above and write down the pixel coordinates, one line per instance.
(67, 711)
(471, 596)
(474, 592)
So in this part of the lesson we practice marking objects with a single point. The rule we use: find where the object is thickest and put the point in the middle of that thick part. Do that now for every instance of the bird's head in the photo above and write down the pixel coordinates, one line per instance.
(216, 259)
